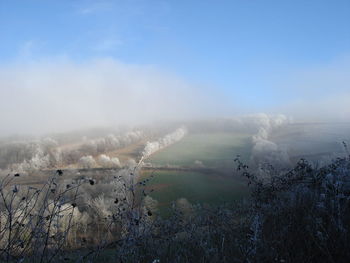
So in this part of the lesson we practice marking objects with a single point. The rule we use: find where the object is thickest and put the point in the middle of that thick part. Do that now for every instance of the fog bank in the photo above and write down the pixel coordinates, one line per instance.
(58, 95)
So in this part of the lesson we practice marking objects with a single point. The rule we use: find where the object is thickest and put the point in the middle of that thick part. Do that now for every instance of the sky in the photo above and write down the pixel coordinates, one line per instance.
(190, 56)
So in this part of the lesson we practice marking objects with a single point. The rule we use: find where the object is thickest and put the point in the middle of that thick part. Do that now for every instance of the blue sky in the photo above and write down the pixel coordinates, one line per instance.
(255, 53)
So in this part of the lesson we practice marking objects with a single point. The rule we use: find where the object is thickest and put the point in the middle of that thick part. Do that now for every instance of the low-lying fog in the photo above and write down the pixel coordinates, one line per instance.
(57, 94)
(274, 139)
(56, 113)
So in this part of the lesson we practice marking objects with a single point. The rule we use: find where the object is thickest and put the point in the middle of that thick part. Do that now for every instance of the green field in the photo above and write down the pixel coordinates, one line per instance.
(214, 150)
(196, 187)
(212, 183)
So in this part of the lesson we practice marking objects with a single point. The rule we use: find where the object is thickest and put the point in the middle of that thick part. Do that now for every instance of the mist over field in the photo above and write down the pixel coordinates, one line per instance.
(174, 131)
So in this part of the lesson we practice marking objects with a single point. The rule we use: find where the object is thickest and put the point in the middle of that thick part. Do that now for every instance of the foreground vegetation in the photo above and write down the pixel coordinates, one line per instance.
(300, 215)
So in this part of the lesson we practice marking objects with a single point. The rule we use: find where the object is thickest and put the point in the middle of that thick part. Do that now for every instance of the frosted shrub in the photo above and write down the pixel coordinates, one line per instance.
(107, 162)
(35, 223)
(87, 162)
(150, 204)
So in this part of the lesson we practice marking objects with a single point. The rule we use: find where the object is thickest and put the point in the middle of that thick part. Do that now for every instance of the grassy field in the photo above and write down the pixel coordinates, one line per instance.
(214, 150)
(196, 187)
(216, 185)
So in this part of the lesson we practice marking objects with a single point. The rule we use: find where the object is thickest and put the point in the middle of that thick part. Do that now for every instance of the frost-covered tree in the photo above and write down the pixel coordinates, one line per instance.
(108, 162)
(152, 147)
